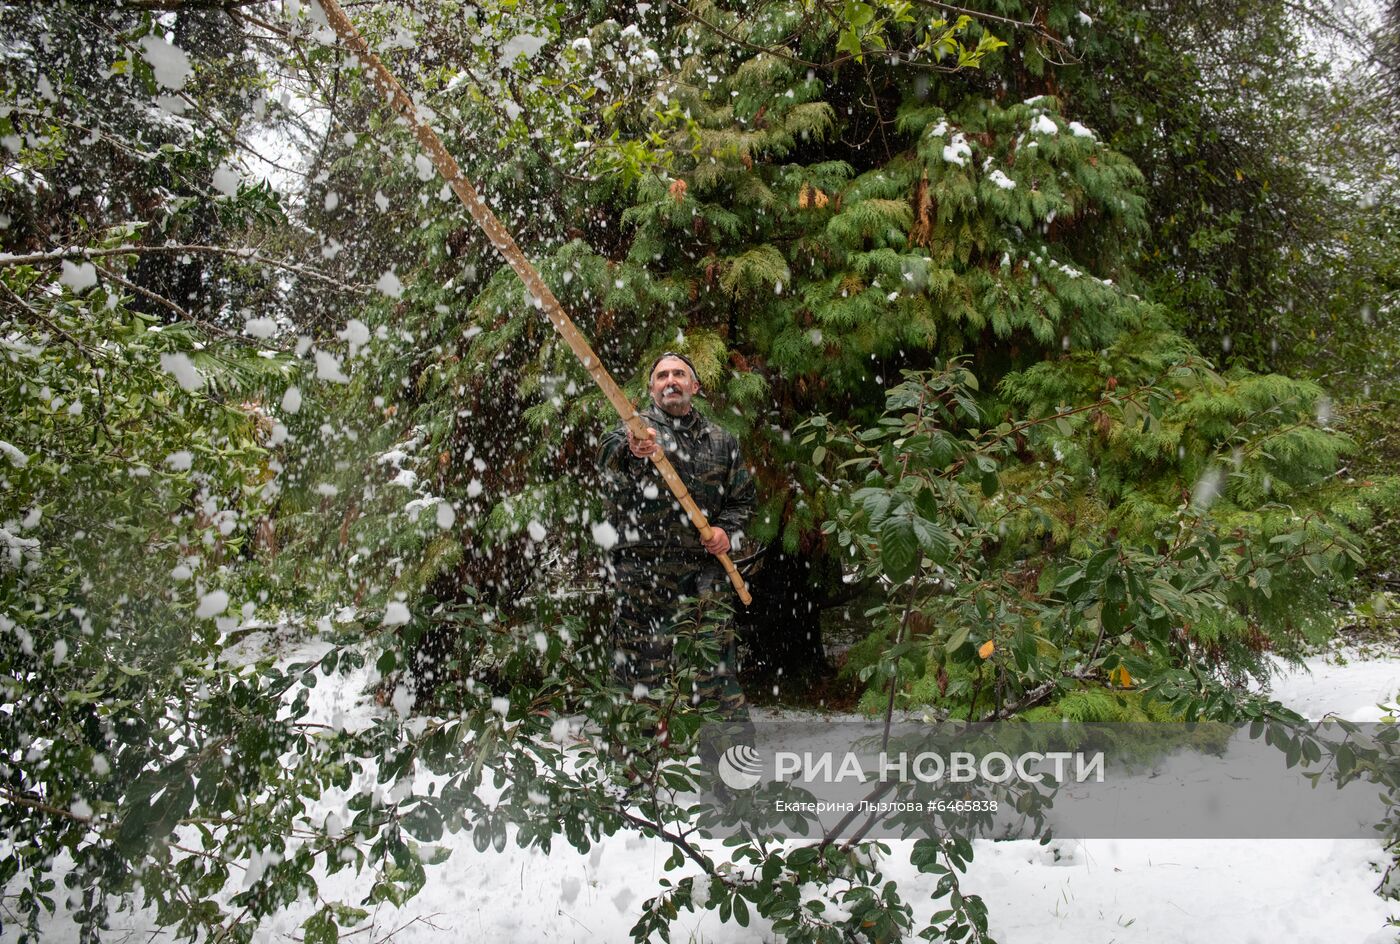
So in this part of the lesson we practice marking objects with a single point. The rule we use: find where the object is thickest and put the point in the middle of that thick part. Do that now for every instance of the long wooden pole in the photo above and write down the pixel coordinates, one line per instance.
(539, 292)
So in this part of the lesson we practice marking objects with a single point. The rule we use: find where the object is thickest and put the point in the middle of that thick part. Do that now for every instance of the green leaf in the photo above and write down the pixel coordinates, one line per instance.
(849, 42)
(1346, 760)
(934, 540)
(899, 548)
(321, 928)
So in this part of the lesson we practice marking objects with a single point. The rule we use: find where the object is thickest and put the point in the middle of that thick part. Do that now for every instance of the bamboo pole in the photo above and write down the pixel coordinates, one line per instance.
(539, 292)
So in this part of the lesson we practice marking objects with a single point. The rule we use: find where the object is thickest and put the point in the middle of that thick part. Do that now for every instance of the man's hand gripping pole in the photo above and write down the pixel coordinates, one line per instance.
(540, 293)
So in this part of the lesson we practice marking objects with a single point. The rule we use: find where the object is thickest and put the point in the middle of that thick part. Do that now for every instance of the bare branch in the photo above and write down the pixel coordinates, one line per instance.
(187, 4)
(248, 255)
(171, 306)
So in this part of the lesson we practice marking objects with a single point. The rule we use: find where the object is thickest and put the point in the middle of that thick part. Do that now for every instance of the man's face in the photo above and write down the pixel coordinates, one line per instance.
(673, 386)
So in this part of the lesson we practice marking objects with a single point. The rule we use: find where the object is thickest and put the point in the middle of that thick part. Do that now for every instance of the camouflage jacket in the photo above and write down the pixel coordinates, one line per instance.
(642, 508)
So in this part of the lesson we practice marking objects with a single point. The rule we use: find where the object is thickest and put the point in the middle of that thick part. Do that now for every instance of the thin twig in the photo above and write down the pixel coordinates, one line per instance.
(80, 252)
(166, 303)
(44, 320)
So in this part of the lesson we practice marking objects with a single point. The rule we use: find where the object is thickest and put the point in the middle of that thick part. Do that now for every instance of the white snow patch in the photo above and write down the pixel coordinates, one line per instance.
(605, 535)
(180, 461)
(559, 730)
(390, 285)
(226, 180)
(260, 327)
(537, 531)
(78, 276)
(212, 604)
(396, 614)
(1044, 124)
(183, 370)
(446, 515)
(328, 368)
(1001, 180)
(524, 44)
(958, 151)
(1207, 489)
(17, 458)
(169, 62)
(1079, 131)
(356, 334)
(291, 399)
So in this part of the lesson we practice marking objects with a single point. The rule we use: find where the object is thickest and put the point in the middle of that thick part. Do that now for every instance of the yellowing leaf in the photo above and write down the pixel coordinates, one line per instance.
(1120, 677)
(986, 649)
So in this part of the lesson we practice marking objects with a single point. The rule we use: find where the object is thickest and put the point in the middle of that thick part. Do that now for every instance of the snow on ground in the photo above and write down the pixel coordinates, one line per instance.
(1070, 892)
(1351, 684)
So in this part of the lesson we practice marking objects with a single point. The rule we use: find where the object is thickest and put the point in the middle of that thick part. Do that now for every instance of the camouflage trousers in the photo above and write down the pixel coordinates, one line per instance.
(664, 600)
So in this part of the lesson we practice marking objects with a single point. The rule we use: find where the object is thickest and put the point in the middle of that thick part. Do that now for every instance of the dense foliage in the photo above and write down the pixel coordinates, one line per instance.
(991, 299)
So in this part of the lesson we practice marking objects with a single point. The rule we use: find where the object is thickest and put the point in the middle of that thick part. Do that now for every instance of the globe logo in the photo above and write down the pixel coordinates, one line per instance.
(741, 767)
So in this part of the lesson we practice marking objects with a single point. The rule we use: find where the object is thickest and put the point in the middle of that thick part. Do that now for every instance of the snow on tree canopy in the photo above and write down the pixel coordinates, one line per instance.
(958, 151)
(169, 62)
(1044, 124)
(396, 614)
(17, 458)
(524, 44)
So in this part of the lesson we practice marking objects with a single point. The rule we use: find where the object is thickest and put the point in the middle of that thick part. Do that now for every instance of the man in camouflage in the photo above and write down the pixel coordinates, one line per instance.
(659, 558)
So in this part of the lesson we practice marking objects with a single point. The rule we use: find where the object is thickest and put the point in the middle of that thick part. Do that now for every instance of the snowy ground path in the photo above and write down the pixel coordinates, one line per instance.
(1089, 892)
